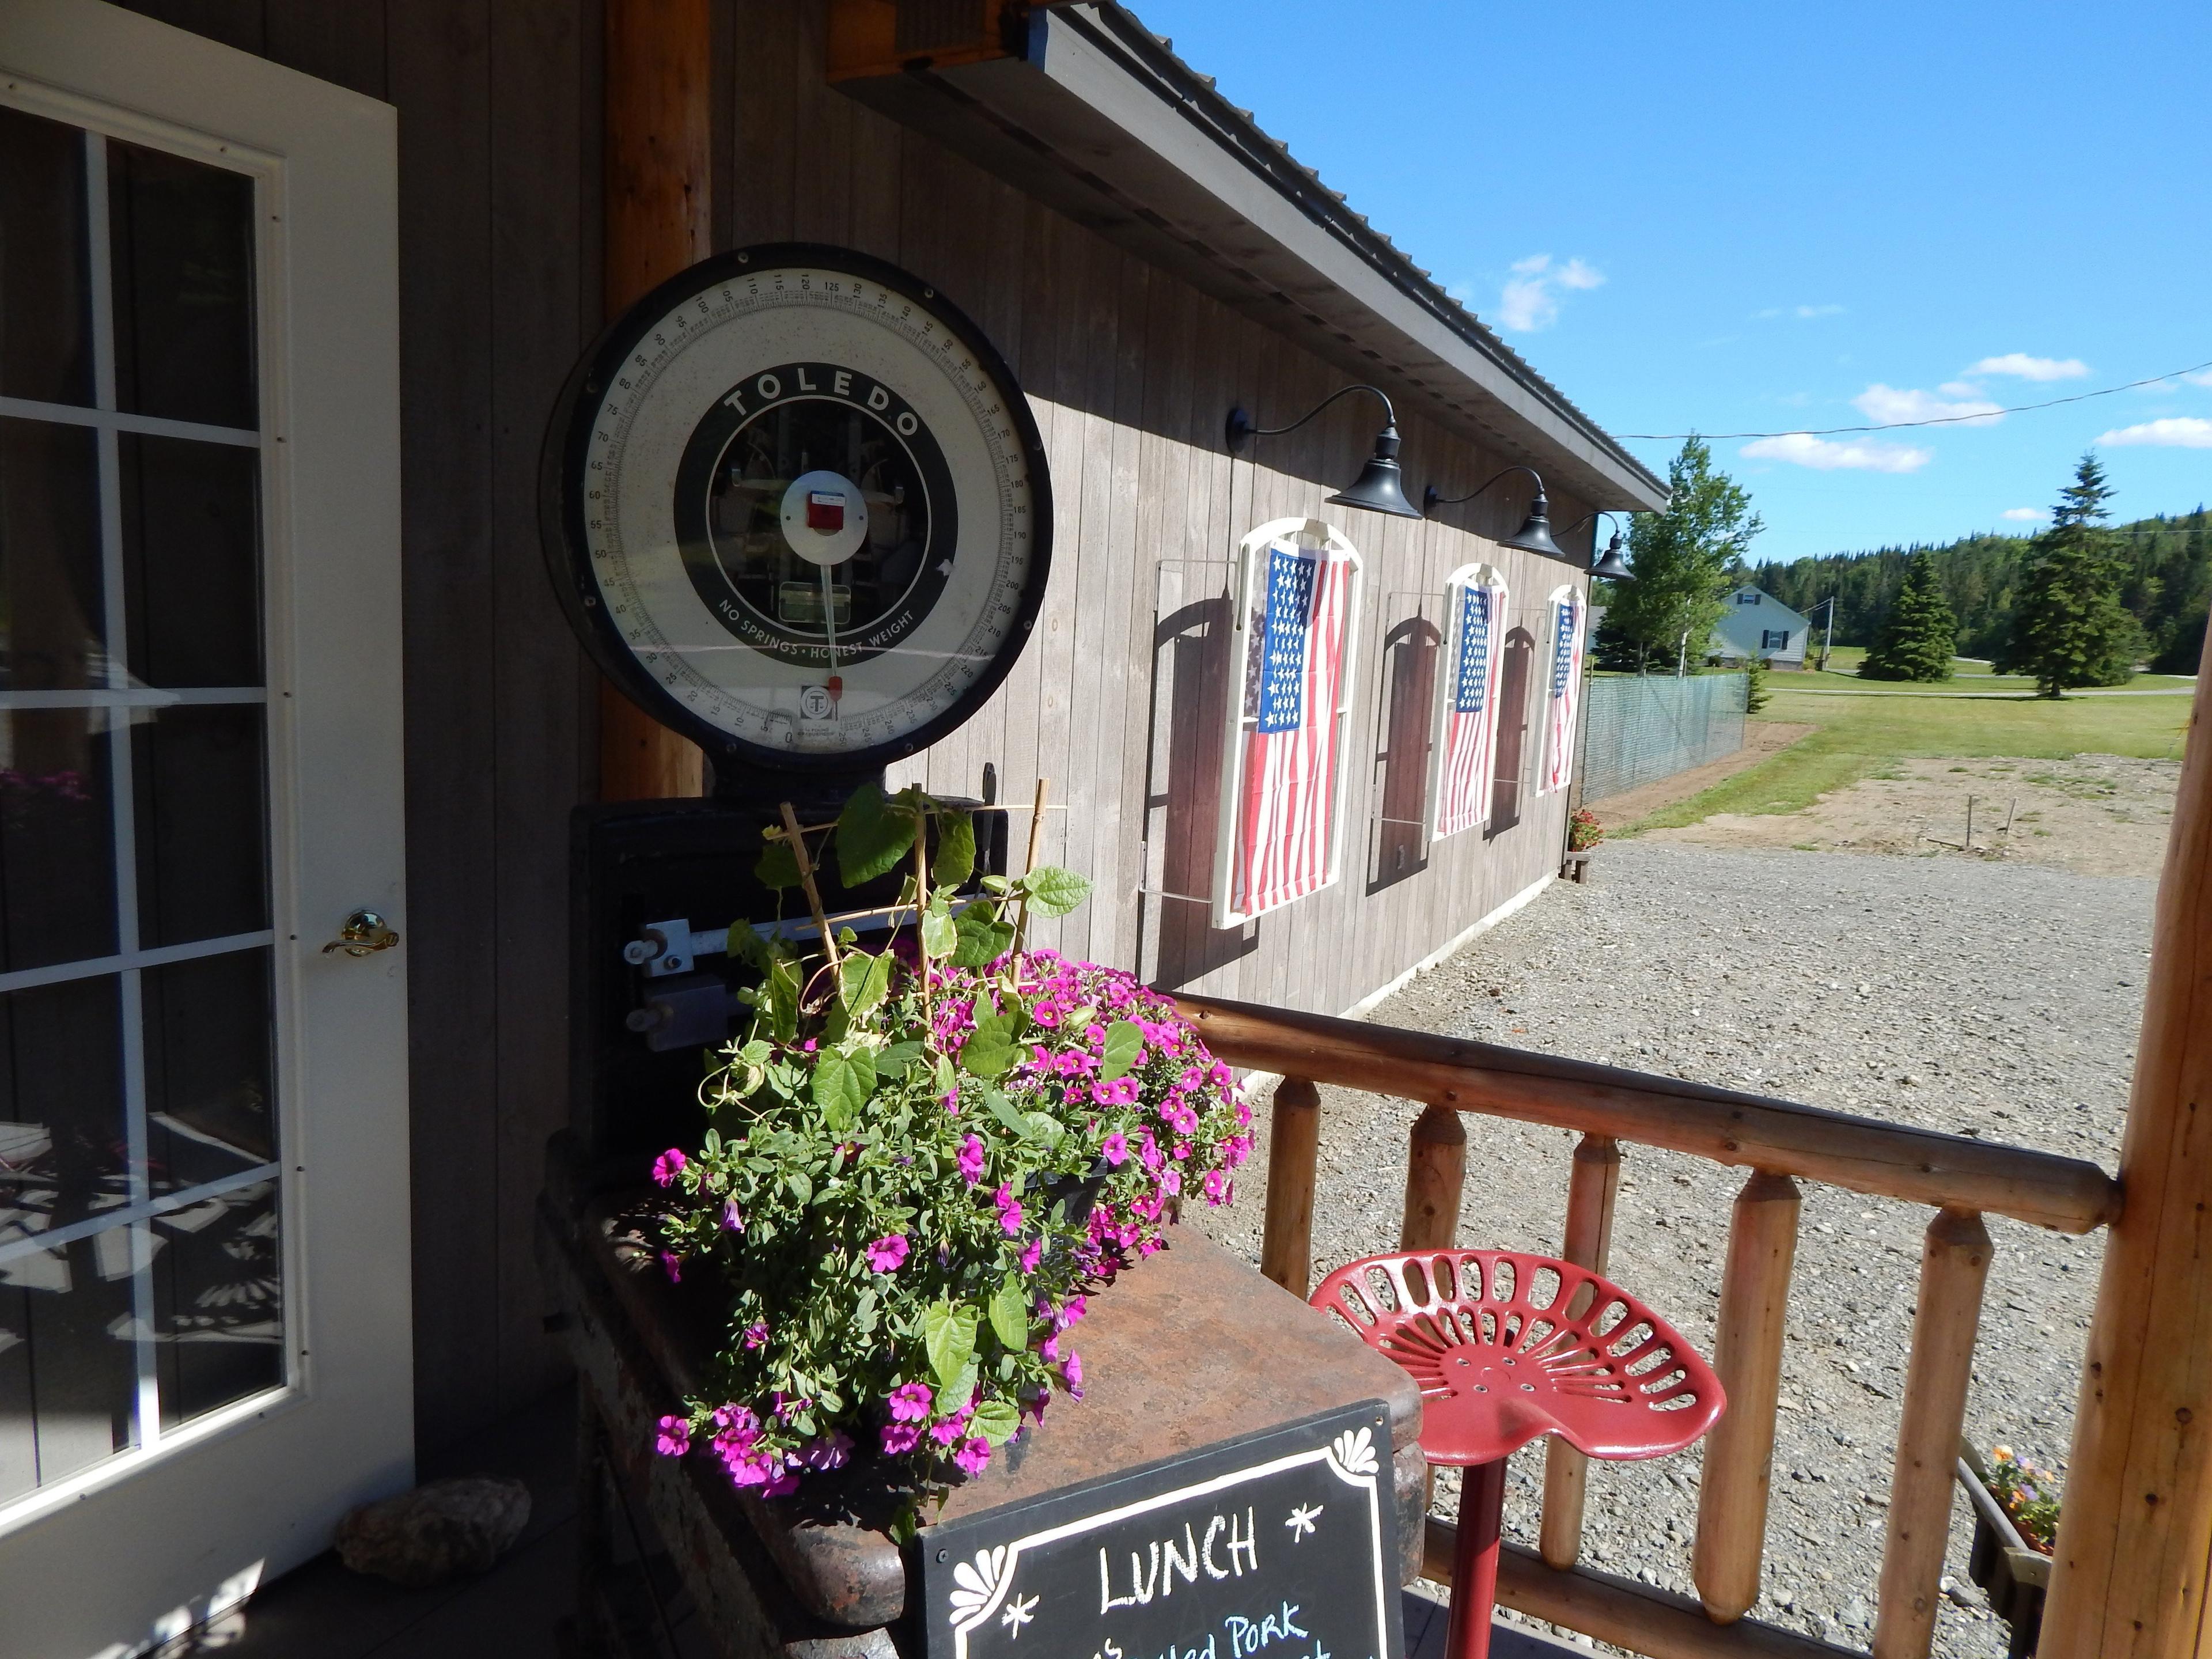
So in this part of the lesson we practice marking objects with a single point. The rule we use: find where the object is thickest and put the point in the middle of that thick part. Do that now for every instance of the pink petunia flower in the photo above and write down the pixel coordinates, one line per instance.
(1115, 1149)
(1077, 1307)
(1217, 1186)
(672, 1265)
(888, 1253)
(757, 1334)
(973, 1455)
(1072, 1369)
(832, 1451)
(1048, 1350)
(674, 1438)
(669, 1165)
(900, 1438)
(971, 1159)
(732, 1218)
(911, 1402)
(1032, 1253)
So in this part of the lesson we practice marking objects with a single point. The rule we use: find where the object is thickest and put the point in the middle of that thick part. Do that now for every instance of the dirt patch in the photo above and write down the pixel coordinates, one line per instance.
(2096, 815)
(1760, 739)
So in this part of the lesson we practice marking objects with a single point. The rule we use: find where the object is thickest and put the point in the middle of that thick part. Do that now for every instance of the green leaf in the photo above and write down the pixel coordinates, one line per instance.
(871, 836)
(1054, 891)
(1010, 1315)
(783, 1000)
(948, 1337)
(1043, 1126)
(956, 849)
(778, 867)
(942, 1078)
(865, 980)
(1124, 1047)
(983, 938)
(1003, 1110)
(997, 885)
(940, 935)
(800, 1186)
(987, 1053)
(996, 1421)
(891, 1063)
(843, 1080)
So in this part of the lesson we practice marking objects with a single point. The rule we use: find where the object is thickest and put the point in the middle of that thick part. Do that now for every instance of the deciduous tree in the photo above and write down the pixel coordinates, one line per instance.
(1682, 558)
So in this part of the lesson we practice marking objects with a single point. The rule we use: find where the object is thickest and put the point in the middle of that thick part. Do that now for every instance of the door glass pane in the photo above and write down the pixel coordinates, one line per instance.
(46, 312)
(191, 560)
(218, 1301)
(182, 236)
(208, 1073)
(203, 869)
(51, 629)
(57, 839)
(63, 1132)
(68, 1369)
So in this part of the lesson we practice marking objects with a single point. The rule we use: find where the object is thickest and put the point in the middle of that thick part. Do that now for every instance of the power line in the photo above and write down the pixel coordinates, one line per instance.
(1939, 420)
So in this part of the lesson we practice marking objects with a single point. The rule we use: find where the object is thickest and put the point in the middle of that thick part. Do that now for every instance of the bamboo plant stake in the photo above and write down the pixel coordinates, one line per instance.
(797, 839)
(1037, 835)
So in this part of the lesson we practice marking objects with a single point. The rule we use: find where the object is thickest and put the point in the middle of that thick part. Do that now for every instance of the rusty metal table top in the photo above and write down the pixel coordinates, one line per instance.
(1186, 1350)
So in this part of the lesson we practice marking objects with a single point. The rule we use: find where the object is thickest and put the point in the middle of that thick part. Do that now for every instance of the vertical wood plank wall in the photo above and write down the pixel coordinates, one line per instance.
(1117, 700)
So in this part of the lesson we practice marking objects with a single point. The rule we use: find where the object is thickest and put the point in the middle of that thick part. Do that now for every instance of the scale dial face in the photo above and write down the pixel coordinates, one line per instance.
(798, 509)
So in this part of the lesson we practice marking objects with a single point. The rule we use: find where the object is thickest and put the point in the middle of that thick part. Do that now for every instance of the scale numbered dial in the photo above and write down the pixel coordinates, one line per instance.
(798, 509)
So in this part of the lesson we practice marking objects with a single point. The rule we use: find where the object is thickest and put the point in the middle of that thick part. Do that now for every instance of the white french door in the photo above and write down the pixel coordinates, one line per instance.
(204, 1349)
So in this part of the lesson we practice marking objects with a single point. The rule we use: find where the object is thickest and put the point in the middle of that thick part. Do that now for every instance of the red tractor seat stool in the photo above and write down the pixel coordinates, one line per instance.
(1506, 1347)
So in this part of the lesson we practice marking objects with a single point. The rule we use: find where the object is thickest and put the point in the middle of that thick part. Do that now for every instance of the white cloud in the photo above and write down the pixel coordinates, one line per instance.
(1802, 312)
(1530, 299)
(1886, 405)
(1960, 389)
(2204, 379)
(2175, 432)
(1803, 449)
(2021, 365)
(2024, 514)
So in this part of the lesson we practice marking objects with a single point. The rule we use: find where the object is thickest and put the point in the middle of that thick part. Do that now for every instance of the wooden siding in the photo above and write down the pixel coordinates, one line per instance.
(1117, 700)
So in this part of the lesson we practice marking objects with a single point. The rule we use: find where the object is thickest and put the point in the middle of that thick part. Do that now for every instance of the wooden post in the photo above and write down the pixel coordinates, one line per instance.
(658, 56)
(2131, 1566)
(1592, 1186)
(1747, 1356)
(1435, 1170)
(1293, 1146)
(1954, 1261)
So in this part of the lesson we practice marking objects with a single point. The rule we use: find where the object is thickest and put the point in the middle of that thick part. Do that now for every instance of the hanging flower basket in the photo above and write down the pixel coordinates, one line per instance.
(920, 1162)
(2012, 1566)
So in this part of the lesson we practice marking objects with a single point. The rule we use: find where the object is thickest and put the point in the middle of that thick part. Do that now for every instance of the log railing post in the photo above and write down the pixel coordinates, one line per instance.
(1592, 1186)
(1739, 1464)
(1293, 1146)
(659, 55)
(2133, 1565)
(1435, 1170)
(1955, 1262)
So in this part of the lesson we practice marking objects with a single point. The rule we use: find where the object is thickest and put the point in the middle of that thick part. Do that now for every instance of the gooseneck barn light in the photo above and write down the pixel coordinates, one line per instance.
(1609, 564)
(1379, 489)
(1534, 535)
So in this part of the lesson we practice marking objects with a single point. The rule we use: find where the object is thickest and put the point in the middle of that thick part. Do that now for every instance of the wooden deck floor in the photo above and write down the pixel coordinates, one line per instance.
(518, 1609)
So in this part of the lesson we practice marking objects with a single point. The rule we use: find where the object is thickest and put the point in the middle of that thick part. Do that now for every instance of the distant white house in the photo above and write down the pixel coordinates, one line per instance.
(1757, 624)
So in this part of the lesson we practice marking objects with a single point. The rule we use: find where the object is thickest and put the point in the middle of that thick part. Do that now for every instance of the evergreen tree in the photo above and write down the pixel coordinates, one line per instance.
(1682, 559)
(1919, 634)
(2068, 626)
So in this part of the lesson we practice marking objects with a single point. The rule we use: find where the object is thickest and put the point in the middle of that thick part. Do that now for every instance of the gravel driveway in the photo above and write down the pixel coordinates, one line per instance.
(1984, 999)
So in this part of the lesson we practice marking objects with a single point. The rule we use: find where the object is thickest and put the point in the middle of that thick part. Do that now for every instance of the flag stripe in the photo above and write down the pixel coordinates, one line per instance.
(1470, 718)
(1564, 691)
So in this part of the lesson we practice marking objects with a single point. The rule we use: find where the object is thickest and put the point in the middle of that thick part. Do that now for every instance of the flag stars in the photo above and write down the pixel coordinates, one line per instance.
(1302, 1519)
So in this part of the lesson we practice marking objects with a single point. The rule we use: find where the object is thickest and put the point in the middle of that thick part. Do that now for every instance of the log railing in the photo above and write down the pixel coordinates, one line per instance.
(1781, 1144)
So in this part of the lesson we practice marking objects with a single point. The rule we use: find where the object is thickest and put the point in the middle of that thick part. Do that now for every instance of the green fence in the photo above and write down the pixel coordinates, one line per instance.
(1638, 730)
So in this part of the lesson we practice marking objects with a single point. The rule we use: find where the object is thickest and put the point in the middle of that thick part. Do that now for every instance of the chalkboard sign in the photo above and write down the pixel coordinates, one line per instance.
(1280, 1545)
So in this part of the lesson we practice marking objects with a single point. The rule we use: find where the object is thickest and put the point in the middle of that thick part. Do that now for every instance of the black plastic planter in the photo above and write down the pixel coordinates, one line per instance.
(2014, 1576)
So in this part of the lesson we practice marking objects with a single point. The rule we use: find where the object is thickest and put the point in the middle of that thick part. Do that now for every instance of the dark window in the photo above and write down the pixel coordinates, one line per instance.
(1774, 638)
(1747, 596)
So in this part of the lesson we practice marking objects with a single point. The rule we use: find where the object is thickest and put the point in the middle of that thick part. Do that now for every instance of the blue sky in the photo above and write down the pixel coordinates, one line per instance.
(1775, 218)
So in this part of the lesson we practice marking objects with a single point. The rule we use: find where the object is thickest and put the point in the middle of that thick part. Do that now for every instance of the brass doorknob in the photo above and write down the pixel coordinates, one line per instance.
(363, 934)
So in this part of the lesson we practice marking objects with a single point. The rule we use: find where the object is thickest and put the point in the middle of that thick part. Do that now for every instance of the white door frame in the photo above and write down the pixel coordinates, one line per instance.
(144, 1544)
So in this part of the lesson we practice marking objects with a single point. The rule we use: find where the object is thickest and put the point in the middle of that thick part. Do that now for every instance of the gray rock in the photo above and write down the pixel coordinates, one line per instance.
(446, 1529)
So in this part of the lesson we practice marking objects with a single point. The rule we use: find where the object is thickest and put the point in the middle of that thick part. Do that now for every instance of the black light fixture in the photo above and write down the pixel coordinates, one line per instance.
(1609, 564)
(1379, 487)
(1534, 535)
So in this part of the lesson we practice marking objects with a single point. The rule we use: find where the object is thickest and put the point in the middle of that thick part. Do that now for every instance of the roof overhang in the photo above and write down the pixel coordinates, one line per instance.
(1080, 107)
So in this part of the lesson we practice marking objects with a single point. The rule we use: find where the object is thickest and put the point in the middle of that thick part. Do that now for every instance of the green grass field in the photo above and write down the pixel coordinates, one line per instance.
(1861, 737)
(1844, 668)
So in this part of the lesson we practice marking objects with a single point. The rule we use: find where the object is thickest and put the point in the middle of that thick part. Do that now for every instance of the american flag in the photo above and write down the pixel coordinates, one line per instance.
(1564, 691)
(1463, 752)
(1286, 814)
